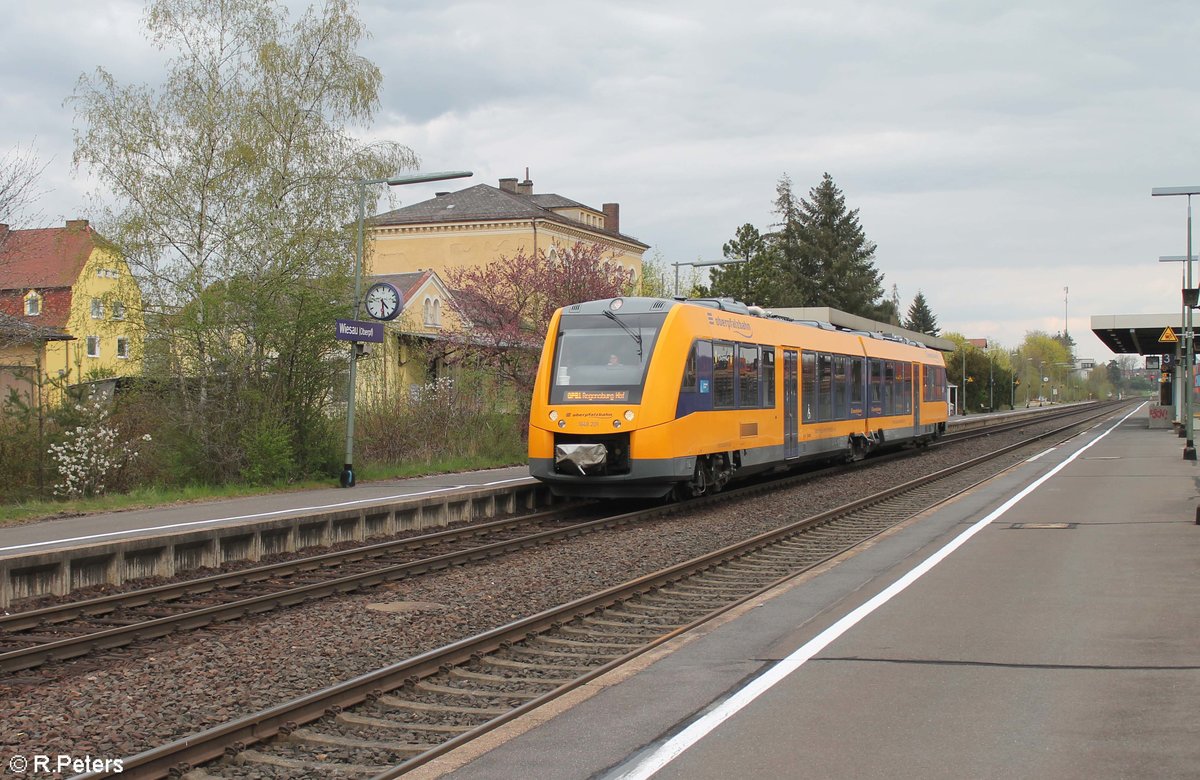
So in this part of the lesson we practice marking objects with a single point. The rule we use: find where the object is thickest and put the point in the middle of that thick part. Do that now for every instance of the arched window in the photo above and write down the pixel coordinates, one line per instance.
(33, 304)
(427, 312)
(437, 313)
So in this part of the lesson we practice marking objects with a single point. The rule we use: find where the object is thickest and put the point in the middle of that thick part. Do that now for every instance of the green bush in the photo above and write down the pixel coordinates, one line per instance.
(267, 449)
(442, 420)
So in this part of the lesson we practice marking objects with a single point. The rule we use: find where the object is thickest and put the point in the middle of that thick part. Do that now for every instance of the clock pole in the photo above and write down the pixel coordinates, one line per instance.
(347, 478)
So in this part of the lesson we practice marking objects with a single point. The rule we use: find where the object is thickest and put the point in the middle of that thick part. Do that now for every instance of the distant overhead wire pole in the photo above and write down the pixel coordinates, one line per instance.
(1189, 301)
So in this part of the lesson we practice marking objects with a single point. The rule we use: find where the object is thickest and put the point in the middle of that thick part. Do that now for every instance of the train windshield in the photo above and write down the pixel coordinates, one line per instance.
(602, 358)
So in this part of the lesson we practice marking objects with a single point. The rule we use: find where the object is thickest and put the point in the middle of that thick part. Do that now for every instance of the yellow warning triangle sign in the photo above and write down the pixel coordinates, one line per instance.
(1168, 336)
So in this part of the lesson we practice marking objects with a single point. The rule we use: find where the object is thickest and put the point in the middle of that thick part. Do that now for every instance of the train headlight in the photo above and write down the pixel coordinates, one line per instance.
(629, 415)
(553, 415)
(616, 423)
(562, 423)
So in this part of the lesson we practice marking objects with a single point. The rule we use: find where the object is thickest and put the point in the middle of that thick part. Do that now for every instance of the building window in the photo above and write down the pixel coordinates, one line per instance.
(427, 312)
(122, 347)
(93, 346)
(33, 304)
(97, 309)
(437, 313)
(118, 310)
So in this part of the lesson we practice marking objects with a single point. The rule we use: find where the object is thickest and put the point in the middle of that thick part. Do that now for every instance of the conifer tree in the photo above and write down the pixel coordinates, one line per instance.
(920, 318)
(824, 256)
(753, 279)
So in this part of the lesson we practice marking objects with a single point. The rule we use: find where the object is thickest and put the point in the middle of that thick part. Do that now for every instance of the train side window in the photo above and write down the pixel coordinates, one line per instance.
(856, 387)
(747, 364)
(808, 385)
(889, 388)
(723, 376)
(875, 396)
(691, 381)
(908, 386)
(768, 377)
(841, 387)
(825, 387)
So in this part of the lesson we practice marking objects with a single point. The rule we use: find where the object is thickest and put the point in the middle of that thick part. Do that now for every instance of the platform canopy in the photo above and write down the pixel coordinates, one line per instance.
(1142, 334)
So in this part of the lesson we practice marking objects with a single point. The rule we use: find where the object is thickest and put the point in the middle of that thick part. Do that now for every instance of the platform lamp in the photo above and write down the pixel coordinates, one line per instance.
(702, 264)
(1189, 421)
(347, 476)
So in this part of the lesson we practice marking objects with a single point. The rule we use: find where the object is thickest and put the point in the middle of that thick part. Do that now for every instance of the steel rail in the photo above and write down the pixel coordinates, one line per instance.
(106, 639)
(184, 754)
(101, 605)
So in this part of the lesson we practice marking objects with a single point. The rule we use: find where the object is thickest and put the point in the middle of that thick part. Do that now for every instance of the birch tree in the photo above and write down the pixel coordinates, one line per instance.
(231, 189)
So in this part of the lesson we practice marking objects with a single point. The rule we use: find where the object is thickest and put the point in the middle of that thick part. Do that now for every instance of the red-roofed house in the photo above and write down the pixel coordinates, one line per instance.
(70, 311)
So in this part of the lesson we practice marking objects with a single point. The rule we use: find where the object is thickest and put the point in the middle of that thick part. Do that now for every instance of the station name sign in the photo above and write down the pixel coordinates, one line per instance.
(356, 330)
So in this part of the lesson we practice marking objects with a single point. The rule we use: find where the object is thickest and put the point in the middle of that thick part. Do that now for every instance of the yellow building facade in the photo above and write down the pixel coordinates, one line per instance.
(405, 360)
(479, 225)
(72, 311)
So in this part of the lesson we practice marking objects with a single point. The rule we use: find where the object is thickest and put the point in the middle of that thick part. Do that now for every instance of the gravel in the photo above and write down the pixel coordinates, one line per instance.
(131, 700)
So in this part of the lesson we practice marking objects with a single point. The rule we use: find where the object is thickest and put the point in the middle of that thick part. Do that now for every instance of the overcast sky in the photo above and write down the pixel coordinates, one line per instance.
(997, 152)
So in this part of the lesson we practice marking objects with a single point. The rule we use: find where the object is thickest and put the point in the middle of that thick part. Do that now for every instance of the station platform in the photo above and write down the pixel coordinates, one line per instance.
(66, 532)
(45, 536)
(1044, 625)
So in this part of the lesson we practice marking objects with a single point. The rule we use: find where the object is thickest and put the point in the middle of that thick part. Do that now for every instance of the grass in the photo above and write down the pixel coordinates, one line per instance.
(143, 498)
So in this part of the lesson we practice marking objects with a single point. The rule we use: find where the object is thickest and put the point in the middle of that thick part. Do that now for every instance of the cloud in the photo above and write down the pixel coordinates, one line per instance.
(997, 152)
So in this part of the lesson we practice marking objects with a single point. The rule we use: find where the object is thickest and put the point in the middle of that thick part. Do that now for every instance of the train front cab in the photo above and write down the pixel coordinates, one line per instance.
(599, 387)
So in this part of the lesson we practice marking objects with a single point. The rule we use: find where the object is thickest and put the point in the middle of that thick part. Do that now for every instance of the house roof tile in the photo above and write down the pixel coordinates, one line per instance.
(45, 257)
(484, 202)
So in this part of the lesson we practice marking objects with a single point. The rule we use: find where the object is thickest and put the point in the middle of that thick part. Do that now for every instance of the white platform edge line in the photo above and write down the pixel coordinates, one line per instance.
(675, 746)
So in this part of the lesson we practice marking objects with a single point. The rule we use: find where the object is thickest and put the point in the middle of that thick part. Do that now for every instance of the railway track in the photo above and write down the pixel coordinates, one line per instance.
(31, 638)
(394, 719)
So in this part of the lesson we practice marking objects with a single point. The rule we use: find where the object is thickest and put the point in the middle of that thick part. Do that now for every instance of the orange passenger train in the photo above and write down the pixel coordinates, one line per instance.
(651, 398)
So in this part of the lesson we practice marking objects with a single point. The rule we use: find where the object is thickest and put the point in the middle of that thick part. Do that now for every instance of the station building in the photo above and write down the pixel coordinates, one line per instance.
(480, 224)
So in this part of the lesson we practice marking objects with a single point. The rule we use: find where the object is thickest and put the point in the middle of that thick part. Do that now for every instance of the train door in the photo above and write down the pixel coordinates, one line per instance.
(791, 405)
(917, 395)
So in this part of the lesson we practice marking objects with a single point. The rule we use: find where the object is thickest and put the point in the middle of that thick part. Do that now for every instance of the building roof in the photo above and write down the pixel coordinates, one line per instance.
(854, 322)
(15, 330)
(483, 203)
(45, 257)
(407, 283)
(1140, 334)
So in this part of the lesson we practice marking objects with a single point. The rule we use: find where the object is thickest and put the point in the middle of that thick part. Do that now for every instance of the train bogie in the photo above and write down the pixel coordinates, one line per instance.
(641, 397)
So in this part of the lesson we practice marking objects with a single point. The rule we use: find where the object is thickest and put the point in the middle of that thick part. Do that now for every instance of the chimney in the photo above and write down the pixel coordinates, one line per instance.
(525, 187)
(77, 224)
(509, 185)
(612, 217)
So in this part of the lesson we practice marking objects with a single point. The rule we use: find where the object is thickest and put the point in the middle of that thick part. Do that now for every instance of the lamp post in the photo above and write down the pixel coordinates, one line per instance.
(702, 264)
(1178, 376)
(347, 476)
(1189, 422)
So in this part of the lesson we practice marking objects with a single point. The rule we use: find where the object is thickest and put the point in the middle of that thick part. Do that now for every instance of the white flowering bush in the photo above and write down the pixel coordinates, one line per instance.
(92, 456)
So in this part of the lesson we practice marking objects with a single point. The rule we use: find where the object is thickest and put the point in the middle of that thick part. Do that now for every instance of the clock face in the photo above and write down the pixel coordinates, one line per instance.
(383, 301)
